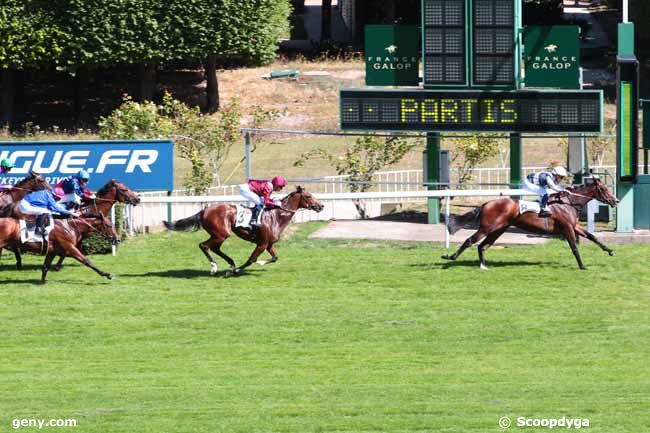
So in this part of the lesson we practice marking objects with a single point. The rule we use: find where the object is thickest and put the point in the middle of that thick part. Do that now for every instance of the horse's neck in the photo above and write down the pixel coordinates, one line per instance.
(283, 218)
(103, 207)
(585, 197)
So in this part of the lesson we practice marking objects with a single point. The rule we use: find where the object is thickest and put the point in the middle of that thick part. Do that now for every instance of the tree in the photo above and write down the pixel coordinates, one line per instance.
(362, 160)
(474, 149)
(30, 38)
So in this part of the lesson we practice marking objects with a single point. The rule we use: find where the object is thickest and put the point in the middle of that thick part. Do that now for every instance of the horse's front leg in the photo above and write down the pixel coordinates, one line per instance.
(584, 233)
(252, 259)
(74, 252)
(570, 235)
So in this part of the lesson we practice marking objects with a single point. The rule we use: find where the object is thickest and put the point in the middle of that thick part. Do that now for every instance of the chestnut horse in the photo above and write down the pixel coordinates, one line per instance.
(9, 198)
(62, 240)
(496, 216)
(219, 221)
(33, 182)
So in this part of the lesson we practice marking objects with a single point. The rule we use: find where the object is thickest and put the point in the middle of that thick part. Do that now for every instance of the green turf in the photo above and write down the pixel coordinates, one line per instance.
(336, 336)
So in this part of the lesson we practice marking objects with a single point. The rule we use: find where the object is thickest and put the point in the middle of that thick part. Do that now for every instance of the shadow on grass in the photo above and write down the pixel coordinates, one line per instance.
(35, 282)
(28, 267)
(475, 264)
(186, 274)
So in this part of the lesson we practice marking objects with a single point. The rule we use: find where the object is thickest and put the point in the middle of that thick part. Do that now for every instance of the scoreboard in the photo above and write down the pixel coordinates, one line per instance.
(471, 110)
(469, 43)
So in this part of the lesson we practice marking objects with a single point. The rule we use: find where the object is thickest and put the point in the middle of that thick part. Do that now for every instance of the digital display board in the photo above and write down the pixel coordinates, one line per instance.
(444, 42)
(471, 110)
(628, 113)
(493, 43)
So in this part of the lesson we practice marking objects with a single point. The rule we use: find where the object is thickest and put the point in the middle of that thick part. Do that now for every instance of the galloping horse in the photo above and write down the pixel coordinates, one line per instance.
(33, 182)
(63, 239)
(219, 221)
(107, 196)
(496, 216)
(9, 198)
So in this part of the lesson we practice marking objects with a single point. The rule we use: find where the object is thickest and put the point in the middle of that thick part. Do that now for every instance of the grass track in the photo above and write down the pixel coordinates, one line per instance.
(337, 336)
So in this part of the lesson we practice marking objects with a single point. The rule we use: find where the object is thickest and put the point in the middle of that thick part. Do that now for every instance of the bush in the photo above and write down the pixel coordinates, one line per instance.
(202, 140)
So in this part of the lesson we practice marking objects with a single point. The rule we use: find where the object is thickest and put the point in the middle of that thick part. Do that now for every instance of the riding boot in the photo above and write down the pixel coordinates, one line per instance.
(41, 223)
(543, 208)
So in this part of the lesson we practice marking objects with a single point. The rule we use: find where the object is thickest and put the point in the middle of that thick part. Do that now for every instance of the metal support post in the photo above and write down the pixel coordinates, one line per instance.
(247, 149)
(433, 164)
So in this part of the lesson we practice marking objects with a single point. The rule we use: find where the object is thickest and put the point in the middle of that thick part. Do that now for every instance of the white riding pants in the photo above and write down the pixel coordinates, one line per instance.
(539, 190)
(249, 195)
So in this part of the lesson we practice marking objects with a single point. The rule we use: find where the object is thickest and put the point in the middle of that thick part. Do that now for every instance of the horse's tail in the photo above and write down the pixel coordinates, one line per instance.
(456, 222)
(186, 224)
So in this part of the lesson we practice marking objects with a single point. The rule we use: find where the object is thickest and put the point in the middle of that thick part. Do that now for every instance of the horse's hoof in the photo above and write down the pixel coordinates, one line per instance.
(583, 268)
(262, 262)
(56, 268)
(109, 276)
(612, 254)
(483, 267)
(213, 269)
(447, 257)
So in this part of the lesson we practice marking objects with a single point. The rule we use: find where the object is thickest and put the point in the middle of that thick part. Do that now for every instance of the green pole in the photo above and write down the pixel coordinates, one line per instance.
(433, 164)
(515, 160)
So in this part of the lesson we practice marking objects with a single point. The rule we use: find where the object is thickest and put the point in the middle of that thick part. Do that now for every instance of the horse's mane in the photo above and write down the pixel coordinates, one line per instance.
(104, 190)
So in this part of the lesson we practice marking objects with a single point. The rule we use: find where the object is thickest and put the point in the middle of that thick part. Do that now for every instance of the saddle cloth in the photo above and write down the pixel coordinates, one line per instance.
(244, 215)
(530, 206)
(28, 228)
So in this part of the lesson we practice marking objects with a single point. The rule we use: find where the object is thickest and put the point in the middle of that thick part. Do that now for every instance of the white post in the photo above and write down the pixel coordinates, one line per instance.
(592, 209)
(447, 200)
(626, 11)
(113, 247)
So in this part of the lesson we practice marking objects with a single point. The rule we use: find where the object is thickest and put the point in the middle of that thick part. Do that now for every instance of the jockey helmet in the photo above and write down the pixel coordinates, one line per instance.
(559, 171)
(82, 175)
(279, 181)
(6, 164)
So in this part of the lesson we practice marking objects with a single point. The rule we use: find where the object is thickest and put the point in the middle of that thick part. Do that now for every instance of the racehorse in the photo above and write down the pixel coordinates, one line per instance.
(219, 221)
(107, 196)
(496, 216)
(33, 182)
(63, 239)
(9, 198)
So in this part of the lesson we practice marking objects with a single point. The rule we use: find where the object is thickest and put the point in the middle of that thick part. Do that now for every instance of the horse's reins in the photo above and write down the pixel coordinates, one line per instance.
(76, 218)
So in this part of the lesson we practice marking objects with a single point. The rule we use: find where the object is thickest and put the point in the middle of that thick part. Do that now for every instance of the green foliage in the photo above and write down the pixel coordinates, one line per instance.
(91, 33)
(251, 29)
(30, 35)
(474, 150)
(202, 140)
(363, 159)
(135, 120)
(96, 244)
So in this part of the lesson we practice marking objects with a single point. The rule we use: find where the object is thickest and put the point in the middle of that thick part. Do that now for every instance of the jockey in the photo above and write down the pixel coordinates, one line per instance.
(259, 192)
(5, 167)
(72, 189)
(541, 182)
(42, 204)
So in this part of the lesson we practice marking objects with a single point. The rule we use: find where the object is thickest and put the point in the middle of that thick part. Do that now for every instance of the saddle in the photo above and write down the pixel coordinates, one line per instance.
(36, 228)
(245, 215)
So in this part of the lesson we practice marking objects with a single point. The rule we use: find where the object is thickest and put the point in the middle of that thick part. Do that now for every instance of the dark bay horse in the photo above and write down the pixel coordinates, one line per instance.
(111, 193)
(219, 221)
(63, 239)
(495, 216)
(107, 196)
(33, 182)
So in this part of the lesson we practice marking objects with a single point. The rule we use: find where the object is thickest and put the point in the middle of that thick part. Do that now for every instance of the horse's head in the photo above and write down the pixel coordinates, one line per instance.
(119, 192)
(34, 182)
(302, 199)
(600, 191)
